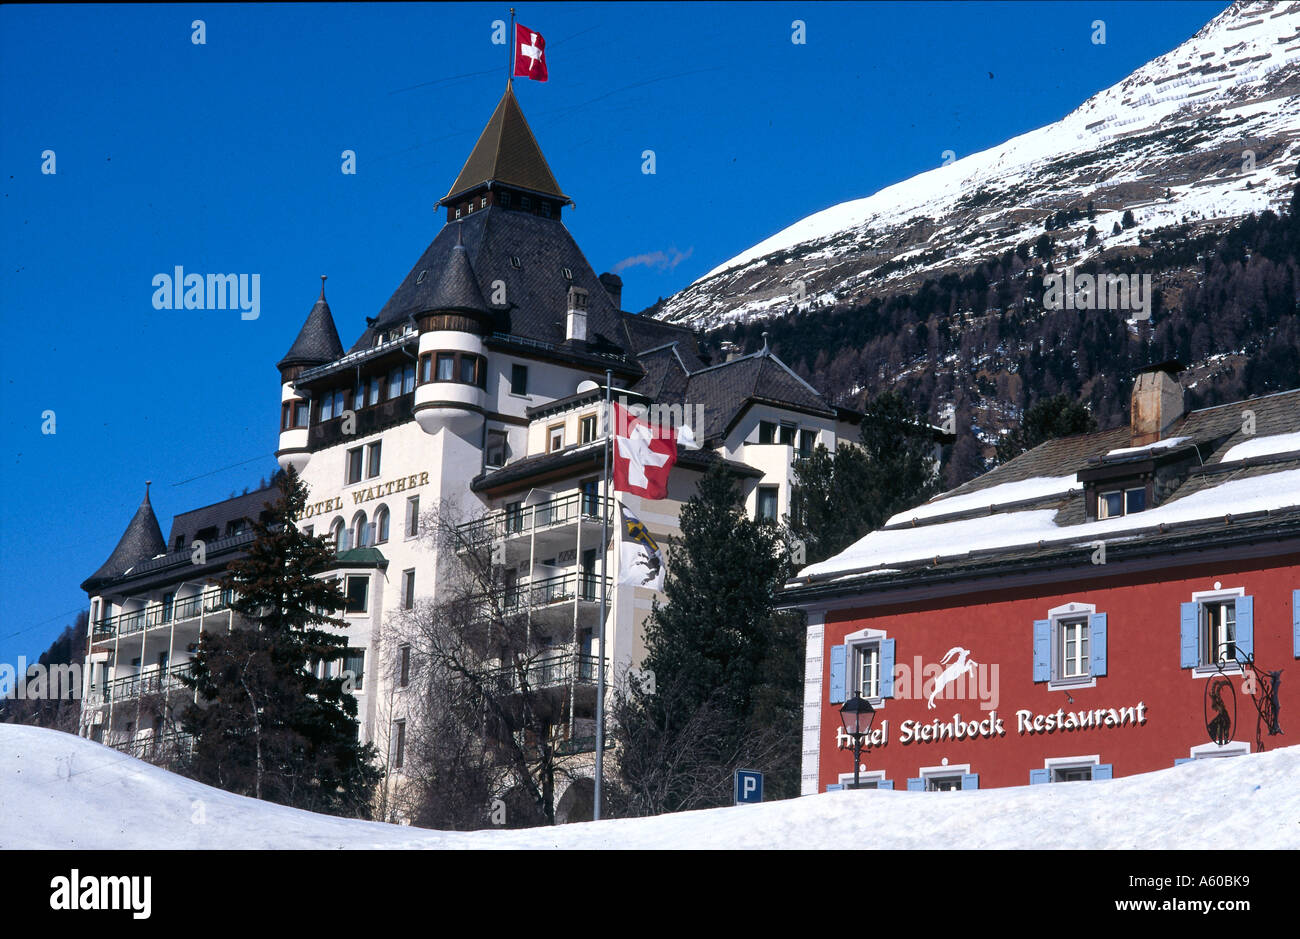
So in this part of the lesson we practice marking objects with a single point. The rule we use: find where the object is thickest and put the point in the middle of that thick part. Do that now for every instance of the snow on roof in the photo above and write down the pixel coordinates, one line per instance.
(1018, 529)
(1262, 446)
(63, 791)
(1158, 445)
(1021, 490)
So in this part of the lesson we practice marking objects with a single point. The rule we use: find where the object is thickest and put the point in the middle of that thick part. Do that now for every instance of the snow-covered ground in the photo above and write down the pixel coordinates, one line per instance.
(59, 791)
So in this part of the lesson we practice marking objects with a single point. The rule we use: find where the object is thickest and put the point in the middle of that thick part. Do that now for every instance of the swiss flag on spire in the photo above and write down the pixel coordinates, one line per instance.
(530, 54)
(643, 455)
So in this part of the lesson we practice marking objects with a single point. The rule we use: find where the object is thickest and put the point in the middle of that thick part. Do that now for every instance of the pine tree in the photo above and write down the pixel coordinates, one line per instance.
(1047, 419)
(726, 666)
(266, 725)
(1128, 219)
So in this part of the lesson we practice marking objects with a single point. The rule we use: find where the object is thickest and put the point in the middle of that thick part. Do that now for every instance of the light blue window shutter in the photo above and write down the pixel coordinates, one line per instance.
(1097, 642)
(1102, 771)
(838, 655)
(916, 784)
(1295, 622)
(1188, 635)
(970, 780)
(1181, 760)
(885, 784)
(1042, 650)
(834, 787)
(1246, 625)
(887, 668)
(1039, 776)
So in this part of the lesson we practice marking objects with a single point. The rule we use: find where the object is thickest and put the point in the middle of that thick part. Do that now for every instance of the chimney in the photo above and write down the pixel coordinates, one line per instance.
(575, 320)
(613, 285)
(1157, 402)
(729, 350)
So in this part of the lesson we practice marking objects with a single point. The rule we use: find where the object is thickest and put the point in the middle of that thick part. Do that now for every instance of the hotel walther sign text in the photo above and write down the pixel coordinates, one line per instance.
(361, 495)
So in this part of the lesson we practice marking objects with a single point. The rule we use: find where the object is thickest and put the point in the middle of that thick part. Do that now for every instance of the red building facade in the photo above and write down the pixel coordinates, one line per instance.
(1122, 645)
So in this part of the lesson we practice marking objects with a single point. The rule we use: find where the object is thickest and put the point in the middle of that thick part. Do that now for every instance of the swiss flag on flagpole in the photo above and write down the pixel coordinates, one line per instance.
(643, 455)
(530, 54)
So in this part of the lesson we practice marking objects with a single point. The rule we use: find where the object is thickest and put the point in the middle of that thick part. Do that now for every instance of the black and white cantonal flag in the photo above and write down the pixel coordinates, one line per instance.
(640, 562)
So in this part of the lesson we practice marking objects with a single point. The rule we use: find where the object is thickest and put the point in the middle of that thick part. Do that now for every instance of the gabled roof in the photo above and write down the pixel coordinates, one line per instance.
(141, 541)
(506, 152)
(726, 390)
(318, 340)
(1030, 512)
(248, 506)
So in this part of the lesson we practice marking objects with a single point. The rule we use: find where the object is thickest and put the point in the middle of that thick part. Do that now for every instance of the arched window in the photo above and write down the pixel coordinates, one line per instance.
(336, 533)
(381, 524)
(360, 534)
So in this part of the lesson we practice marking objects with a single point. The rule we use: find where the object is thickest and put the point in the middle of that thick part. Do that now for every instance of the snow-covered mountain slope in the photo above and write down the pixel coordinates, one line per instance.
(60, 791)
(1169, 143)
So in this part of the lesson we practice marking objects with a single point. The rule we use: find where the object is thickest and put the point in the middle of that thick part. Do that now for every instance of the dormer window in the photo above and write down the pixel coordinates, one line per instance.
(469, 208)
(1116, 502)
(482, 203)
(525, 203)
(503, 199)
(420, 279)
(458, 213)
(514, 262)
(568, 273)
(546, 209)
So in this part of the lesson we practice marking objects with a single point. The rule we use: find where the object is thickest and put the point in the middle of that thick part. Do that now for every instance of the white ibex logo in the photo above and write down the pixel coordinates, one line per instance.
(964, 664)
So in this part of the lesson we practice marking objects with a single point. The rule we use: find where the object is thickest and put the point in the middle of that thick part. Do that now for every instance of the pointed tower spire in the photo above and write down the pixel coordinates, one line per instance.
(507, 153)
(457, 290)
(318, 340)
(141, 541)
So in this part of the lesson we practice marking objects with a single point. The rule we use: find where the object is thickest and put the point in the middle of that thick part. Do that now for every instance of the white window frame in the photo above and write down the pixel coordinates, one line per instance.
(955, 769)
(852, 643)
(1200, 598)
(1057, 616)
(1069, 762)
(1211, 750)
(865, 776)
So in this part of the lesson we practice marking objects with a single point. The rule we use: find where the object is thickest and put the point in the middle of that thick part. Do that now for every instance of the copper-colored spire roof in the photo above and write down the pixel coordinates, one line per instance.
(507, 153)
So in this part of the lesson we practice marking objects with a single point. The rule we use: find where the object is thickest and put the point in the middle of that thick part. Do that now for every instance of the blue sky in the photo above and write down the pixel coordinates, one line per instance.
(225, 157)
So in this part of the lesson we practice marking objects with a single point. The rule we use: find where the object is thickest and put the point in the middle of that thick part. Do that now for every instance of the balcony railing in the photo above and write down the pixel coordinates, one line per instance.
(175, 746)
(538, 594)
(562, 510)
(189, 608)
(548, 672)
(154, 681)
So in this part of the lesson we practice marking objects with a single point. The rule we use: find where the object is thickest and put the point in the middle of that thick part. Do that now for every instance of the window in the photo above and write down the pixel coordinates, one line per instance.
(408, 588)
(767, 502)
(494, 453)
(412, 516)
(942, 783)
(354, 667)
(514, 517)
(1074, 647)
(944, 779)
(354, 466)
(525, 203)
(1072, 774)
(358, 591)
(766, 432)
(469, 207)
(360, 531)
(395, 384)
(554, 438)
(587, 429)
(1220, 631)
(337, 536)
(408, 378)
(787, 434)
(468, 368)
(1119, 502)
(866, 670)
(446, 367)
(293, 414)
(503, 199)
(1217, 630)
(1070, 646)
(374, 391)
(404, 667)
(399, 727)
(458, 216)
(807, 442)
(590, 497)
(482, 203)
(372, 459)
(420, 279)
(381, 524)
(1070, 769)
(519, 379)
(546, 209)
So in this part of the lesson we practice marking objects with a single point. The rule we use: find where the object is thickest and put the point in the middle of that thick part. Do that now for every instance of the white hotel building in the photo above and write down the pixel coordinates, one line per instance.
(478, 384)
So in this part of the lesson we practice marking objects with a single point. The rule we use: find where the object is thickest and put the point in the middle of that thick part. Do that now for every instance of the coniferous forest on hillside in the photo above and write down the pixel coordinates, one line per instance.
(1224, 303)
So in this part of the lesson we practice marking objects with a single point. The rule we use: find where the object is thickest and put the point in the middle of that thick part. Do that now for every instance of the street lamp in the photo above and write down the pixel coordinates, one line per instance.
(857, 715)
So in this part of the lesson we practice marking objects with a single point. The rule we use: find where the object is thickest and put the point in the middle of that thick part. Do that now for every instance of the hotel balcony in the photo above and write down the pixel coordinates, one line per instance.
(550, 671)
(546, 527)
(573, 597)
(129, 687)
(154, 616)
(172, 747)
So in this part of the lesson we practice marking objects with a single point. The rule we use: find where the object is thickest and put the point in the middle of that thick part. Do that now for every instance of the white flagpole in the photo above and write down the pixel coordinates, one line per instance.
(604, 591)
(510, 44)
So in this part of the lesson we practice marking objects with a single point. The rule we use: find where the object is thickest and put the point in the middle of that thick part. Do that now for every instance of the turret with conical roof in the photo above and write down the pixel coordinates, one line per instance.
(141, 541)
(505, 168)
(317, 343)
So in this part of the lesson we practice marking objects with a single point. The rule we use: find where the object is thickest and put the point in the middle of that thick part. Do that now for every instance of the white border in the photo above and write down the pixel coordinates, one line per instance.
(876, 775)
(861, 638)
(1054, 616)
(1205, 671)
(1210, 751)
(812, 703)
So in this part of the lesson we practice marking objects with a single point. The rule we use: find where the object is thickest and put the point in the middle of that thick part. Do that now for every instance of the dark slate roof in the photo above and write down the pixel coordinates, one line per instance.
(456, 289)
(507, 152)
(318, 340)
(645, 333)
(726, 390)
(536, 292)
(1212, 432)
(141, 541)
(248, 506)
